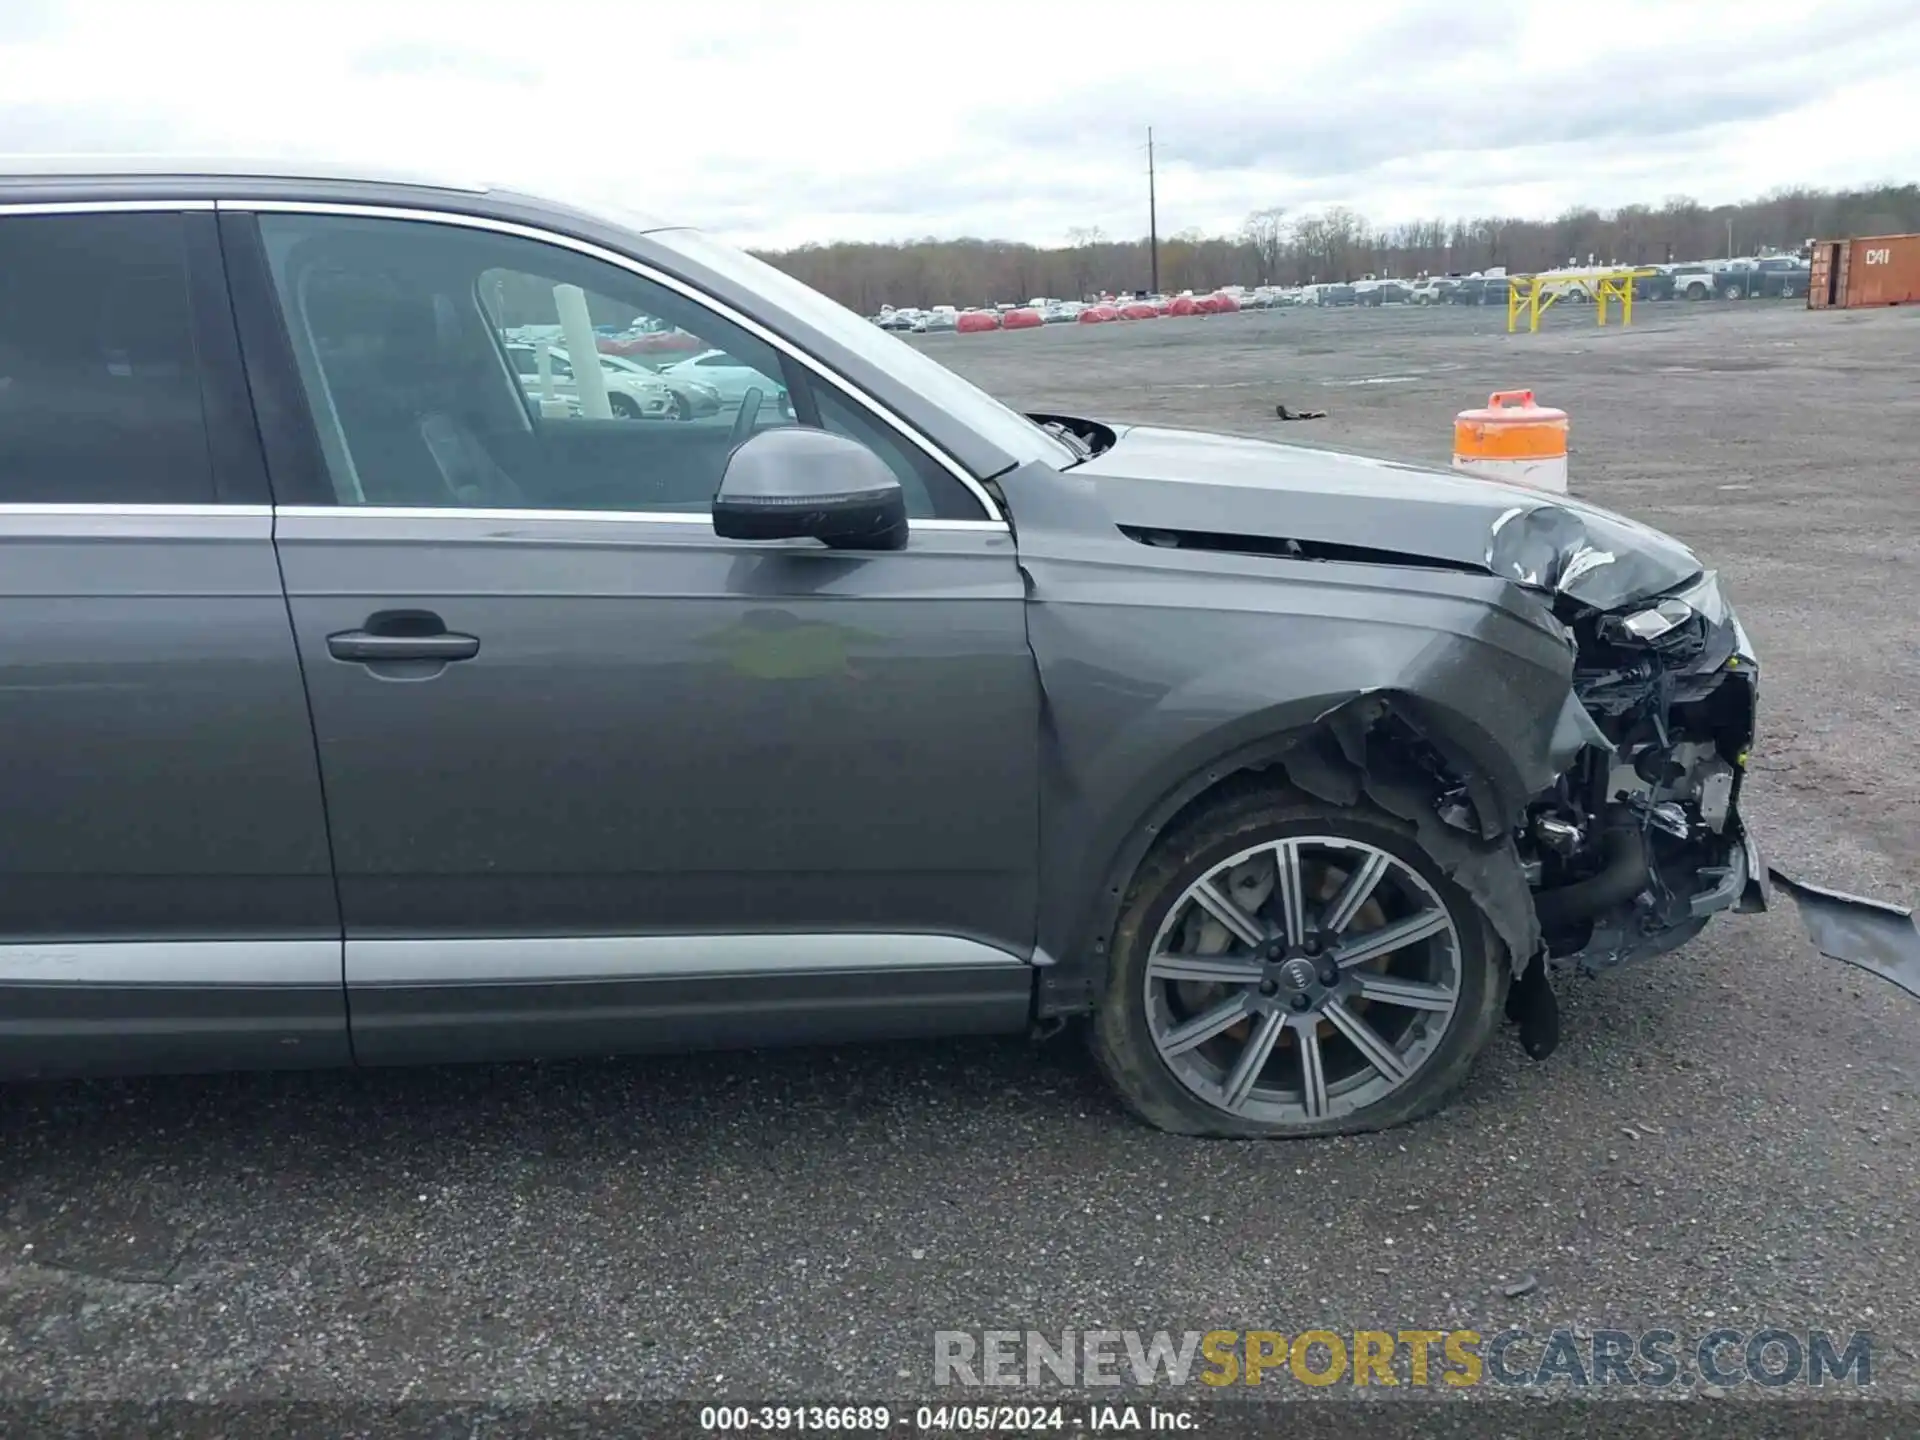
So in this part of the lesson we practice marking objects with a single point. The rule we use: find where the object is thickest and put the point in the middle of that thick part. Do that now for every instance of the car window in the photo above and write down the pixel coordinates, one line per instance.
(408, 336)
(100, 399)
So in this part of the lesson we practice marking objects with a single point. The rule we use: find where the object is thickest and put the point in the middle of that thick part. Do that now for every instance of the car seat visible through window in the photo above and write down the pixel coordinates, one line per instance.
(403, 387)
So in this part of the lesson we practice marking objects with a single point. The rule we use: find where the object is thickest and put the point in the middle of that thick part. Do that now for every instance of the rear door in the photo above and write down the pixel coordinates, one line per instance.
(165, 894)
(597, 779)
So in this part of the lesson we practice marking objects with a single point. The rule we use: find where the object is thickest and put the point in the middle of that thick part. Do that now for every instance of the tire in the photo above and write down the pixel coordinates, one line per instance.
(1735, 291)
(623, 407)
(682, 408)
(1140, 1002)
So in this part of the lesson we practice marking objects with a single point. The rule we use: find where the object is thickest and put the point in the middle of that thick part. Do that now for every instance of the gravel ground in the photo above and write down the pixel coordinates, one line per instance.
(1727, 1136)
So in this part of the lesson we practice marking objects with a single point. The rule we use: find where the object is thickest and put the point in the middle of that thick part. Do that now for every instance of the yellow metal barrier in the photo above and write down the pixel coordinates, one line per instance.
(1531, 295)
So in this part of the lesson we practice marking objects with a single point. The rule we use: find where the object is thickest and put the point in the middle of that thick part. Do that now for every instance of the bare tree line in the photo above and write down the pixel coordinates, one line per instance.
(1275, 247)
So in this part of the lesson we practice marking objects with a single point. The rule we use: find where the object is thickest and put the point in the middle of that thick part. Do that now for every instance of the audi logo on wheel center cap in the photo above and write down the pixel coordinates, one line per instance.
(1297, 974)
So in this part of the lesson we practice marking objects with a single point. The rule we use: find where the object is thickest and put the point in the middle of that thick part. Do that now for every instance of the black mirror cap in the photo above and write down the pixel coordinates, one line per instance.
(794, 483)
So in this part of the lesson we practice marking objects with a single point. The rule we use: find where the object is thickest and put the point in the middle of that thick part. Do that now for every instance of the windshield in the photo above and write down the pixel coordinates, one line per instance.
(1005, 427)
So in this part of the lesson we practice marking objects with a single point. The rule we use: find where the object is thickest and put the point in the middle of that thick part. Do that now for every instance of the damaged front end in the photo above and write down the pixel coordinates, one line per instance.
(1582, 782)
(1639, 841)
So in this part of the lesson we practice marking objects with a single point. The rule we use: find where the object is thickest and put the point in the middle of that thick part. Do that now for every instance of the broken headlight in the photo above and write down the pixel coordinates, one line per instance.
(1672, 626)
(1648, 626)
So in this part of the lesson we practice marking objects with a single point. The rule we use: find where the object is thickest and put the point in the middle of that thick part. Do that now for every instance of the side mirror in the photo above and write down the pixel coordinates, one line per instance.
(794, 483)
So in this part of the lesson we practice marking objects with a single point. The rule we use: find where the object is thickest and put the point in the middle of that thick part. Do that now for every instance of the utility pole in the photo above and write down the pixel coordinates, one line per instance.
(1153, 223)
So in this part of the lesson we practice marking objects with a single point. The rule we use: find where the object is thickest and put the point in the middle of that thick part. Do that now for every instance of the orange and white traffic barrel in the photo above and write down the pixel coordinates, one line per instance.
(1514, 440)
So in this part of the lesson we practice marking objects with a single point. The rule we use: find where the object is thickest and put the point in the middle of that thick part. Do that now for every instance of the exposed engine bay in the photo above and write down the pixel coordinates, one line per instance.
(1635, 847)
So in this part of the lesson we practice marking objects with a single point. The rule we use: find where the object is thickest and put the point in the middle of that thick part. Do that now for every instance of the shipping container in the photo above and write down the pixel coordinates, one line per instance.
(1875, 270)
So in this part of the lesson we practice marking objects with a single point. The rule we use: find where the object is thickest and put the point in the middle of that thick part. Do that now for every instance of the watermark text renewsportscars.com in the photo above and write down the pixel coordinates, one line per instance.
(1566, 1356)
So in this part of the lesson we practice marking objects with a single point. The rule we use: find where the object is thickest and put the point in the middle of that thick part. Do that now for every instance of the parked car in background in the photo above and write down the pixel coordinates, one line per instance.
(636, 394)
(1434, 290)
(1340, 294)
(693, 399)
(1693, 280)
(938, 321)
(1567, 286)
(1656, 285)
(1481, 290)
(1777, 275)
(648, 336)
(731, 379)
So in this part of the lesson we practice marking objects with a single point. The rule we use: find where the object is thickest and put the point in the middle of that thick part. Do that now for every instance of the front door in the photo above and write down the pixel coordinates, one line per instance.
(597, 779)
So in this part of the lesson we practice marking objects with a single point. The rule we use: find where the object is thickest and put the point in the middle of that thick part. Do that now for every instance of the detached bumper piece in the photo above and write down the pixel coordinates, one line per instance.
(1881, 939)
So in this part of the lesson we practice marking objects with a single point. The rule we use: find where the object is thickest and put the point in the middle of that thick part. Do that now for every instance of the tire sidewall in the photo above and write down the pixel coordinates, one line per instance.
(1125, 1042)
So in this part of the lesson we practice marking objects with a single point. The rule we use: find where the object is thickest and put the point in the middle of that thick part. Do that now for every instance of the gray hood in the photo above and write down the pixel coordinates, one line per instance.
(1222, 486)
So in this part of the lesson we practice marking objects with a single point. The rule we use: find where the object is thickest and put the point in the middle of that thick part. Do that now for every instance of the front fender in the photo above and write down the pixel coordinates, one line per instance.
(1166, 671)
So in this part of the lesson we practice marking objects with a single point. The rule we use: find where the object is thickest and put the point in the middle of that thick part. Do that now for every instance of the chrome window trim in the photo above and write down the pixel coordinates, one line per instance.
(98, 207)
(175, 963)
(646, 272)
(617, 517)
(561, 958)
(136, 511)
(132, 511)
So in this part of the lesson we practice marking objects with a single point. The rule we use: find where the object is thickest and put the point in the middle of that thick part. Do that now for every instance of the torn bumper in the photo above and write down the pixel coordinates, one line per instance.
(1880, 938)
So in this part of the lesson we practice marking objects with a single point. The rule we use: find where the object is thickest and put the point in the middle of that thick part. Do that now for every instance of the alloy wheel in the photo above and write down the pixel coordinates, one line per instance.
(1303, 979)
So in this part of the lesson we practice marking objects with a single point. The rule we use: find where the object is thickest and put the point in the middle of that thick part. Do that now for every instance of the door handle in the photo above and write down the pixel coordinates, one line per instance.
(363, 646)
(402, 635)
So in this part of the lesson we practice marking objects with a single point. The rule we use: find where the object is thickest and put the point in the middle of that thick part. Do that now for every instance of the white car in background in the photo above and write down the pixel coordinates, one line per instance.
(693, 398)
(636, 394)
(730, 378)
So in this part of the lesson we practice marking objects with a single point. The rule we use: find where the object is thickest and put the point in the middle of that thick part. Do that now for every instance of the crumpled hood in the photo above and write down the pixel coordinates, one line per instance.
(1188, 480)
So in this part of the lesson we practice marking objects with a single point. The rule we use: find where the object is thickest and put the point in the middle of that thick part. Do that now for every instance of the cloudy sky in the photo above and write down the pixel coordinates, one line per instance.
(776, 124)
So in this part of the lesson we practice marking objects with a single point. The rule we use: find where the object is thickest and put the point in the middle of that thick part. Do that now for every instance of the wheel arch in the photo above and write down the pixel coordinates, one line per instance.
(1415, 758)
